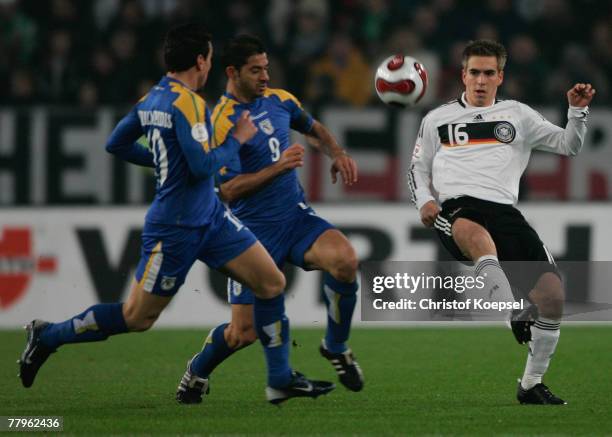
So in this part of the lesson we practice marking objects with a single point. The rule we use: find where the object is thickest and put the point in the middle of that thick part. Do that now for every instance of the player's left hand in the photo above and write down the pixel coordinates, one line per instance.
(580, 94)
(346, 166)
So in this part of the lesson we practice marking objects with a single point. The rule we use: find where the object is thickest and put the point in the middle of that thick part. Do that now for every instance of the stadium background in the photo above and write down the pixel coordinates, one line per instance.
(71, 215)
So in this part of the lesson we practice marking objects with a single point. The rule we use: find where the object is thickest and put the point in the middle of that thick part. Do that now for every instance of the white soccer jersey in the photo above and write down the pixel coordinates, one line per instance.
(464, 150)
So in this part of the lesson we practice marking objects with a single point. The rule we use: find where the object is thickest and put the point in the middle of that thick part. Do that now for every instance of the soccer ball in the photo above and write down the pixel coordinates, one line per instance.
(401, 81)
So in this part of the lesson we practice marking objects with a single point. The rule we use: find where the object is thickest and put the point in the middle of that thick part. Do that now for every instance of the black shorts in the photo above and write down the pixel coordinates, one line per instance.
(514, 238)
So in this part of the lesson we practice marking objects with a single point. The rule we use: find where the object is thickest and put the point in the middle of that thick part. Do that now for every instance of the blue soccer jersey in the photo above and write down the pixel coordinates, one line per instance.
(176, 124)
(274, 114)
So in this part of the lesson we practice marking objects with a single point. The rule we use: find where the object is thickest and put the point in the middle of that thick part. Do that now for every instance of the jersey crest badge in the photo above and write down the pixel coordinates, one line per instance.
(266, 126)
(504, 132)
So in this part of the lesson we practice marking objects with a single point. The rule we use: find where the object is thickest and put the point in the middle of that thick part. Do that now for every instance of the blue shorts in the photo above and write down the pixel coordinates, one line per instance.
(286, 241)
(168, 252)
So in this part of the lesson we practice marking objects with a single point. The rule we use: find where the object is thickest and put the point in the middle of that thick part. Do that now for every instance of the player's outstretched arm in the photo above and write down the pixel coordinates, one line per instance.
(246, 184)
(205, 161)
(123, 142)
(321, 138)
(546, 136)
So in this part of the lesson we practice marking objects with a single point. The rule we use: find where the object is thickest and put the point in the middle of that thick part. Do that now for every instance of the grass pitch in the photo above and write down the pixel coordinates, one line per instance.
(418, 381)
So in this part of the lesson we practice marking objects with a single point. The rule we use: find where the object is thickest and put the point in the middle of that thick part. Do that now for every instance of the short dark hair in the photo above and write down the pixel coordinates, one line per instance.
(485, 47)
(183, 44)
(238, 50)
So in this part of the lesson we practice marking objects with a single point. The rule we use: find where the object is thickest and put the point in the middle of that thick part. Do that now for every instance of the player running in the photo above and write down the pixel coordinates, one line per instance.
(472, 152)
(186, 221)
(262, 187)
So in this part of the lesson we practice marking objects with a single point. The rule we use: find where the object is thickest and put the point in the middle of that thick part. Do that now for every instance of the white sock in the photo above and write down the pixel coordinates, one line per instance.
(497, 287)
(544, 339)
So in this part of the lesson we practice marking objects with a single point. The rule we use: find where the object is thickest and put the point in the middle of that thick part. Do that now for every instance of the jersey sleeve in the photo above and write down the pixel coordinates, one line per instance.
(301, 120)
(420, 173)
(127, 141)
(540, 134)
(232, 169)
(222, 127)
(193, 134)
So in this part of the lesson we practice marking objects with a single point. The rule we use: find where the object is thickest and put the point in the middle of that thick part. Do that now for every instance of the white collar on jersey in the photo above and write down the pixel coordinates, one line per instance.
(467, 105)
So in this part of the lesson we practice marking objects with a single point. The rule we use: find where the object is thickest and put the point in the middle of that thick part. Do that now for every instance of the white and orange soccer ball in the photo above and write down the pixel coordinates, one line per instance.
(401, 81)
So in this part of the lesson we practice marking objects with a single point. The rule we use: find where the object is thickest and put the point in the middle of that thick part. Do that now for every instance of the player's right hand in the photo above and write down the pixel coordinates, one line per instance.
(244, 129)
(292, 157)
(429, 212)
(580, 95)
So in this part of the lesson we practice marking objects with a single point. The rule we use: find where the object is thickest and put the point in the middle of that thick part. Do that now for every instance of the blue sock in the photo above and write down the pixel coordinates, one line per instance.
(214, 352)
(340, 298)
(272, 328)
(96, 323)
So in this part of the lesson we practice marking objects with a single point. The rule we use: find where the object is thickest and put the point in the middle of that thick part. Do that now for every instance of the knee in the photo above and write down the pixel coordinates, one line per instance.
(275, 284)
(137, 321)
(345, 264)
(239, 337)
(272, 285)
(549, 296)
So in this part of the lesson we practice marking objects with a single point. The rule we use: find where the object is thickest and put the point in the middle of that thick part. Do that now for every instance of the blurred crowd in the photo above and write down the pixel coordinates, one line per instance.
(90, 53)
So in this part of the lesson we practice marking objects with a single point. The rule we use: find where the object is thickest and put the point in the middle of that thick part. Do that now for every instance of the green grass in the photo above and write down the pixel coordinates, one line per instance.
(418, 381)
